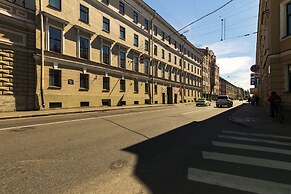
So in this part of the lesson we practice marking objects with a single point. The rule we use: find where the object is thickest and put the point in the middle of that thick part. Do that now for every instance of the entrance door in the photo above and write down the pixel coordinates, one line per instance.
(170, 95)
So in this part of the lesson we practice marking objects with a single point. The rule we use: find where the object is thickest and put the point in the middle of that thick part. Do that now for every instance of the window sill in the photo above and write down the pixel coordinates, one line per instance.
(85, 22)
(54, 8)
(107, 31)
(105, 90)
(84, 89)
(54, 87)
(122, 38)
(122, 91)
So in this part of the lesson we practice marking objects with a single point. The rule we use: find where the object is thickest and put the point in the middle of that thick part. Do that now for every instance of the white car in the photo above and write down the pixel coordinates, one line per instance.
(203, 102)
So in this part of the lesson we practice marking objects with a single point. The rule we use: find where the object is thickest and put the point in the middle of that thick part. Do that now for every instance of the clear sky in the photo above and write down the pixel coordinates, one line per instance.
(236, 53)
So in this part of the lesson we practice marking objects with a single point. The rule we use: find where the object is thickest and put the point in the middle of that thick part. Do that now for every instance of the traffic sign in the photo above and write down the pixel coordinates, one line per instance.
(255, 68)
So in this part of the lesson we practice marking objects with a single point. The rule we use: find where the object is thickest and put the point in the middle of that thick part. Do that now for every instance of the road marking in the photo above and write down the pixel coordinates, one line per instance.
(251, 147)
(76, 120)
(238, 182)
(185, 113)
(254, 140)
(247, 160)
(257, 134)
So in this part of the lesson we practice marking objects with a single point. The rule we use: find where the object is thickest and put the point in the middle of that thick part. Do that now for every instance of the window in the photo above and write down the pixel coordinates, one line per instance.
(175, 44)
(155, 50)
(135, 41)
(122, 85)
(84, 81)
(289, 75)
(135, 17)
(106, 24)
(289, 19)
(106, 54)
(146, 45)
(84, 14)
(55, 4)
(105, 1)
(121, 8)
(146, 87)
(175, 60)
(122, 59)
(170, 57)
(155, 70)
(163, 72)
(163, 53)
(169, 74)
(55, 77)
(146, 24)
(169, 39)
(122, 33)
(84, 48)
(106, 84)
(135, 86)
(55, 39)
(135, 64)
(163, 36)
(175, 76)
(146, 67)
(155, 30)
(156, 89)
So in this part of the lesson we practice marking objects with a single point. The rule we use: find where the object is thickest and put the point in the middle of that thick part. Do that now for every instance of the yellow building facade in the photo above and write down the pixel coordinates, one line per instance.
(274, 50)
(111, 53)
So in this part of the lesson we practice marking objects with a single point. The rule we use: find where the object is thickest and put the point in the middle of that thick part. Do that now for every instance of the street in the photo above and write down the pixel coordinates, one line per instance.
(171, 149)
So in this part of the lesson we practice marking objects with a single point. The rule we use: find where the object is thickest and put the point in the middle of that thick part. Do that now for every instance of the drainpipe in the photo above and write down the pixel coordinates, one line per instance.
(42, 56)
(151, 56)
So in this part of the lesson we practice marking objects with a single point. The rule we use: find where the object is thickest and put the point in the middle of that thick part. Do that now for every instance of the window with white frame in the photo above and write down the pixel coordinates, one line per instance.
(122, 59)
(55, 39)
(135, 64)
(106, 54)
(55, 4)
(84, 48)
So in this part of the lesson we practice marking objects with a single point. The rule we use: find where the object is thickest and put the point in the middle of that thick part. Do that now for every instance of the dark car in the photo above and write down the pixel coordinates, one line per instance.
(224, 100)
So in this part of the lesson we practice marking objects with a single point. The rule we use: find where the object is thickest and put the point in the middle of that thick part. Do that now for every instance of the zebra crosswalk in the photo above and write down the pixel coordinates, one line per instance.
(233, 150)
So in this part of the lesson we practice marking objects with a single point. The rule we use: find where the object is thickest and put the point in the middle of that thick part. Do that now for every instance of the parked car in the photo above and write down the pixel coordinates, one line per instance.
(224, 100)
(203, 102)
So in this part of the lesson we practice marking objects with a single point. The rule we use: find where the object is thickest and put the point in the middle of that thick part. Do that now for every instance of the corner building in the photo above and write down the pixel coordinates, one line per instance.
(111, 53)
(274, 50)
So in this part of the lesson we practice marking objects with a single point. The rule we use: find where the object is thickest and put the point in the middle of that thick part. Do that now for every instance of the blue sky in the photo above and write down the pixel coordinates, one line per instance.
(236, 53)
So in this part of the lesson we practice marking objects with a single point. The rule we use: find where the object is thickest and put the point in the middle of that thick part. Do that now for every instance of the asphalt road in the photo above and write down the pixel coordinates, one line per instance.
(158, 150)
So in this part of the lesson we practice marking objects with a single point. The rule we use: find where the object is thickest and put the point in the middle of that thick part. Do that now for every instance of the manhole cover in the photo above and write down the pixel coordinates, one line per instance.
(118, 164)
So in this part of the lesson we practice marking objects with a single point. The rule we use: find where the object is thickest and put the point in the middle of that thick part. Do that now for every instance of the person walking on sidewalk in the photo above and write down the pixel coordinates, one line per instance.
(274, 101)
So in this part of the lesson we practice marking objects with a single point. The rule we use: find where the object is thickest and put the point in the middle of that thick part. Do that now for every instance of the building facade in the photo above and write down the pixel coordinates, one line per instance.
(274, 49)
(17, 48)
(210, 76)
(227, 88)
(110, 53)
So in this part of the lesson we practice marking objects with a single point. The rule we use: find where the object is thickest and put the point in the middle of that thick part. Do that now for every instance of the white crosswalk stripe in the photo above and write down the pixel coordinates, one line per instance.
(257, 134)
(239, 182)
(247, 160)
(254, 140)
(252, 147)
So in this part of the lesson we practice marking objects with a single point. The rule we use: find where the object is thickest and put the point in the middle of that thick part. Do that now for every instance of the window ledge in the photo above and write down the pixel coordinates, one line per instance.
(54, 87)
(84, 89)
(107, 31)
(54, 8)
(105, 90)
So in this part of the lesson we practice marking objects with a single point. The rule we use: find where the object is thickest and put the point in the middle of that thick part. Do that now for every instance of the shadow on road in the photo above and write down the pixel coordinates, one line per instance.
(163, 161)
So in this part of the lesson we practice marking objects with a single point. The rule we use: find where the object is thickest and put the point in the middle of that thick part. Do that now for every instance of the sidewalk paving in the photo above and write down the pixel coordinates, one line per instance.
(38, 113)
(258, 118)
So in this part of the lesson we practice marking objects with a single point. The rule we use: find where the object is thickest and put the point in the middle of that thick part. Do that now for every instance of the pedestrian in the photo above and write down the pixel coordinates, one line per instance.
(274, 101)
(257, 100)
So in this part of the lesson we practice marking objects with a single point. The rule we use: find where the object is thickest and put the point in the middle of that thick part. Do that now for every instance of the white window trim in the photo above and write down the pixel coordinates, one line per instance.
(48, 37)
(283, 19)
(110, 51)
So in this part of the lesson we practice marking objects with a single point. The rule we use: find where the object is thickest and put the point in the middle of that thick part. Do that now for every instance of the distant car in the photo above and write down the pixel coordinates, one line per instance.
(224, 100)
(202, 102)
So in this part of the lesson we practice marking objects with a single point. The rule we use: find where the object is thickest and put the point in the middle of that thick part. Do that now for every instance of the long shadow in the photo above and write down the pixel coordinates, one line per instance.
(163, 161)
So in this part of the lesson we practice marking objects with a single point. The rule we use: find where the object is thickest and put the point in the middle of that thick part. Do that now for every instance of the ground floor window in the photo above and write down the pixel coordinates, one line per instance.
(146, 89)
(156, 89)
(135, 86)
(55, 77)
(106, 83)
(84, 81)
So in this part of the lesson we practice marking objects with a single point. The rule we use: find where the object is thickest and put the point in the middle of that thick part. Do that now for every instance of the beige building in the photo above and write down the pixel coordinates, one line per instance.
(109, 53)
(274, 49)
(227, 88)
(210, 75)
(17, 48)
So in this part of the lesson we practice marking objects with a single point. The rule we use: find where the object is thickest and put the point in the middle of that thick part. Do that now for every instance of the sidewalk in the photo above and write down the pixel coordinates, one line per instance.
(258, 118)
(38, 113)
